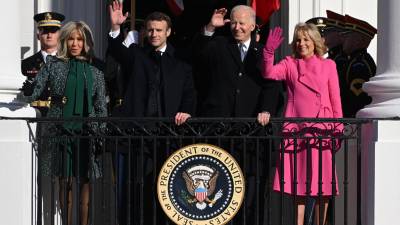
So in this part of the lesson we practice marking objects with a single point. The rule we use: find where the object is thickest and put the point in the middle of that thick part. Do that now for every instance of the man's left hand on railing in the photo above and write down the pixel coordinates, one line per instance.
(263, 118)
(181, 118)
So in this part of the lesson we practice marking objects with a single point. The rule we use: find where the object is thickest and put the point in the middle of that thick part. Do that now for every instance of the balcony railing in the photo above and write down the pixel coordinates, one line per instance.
(122, 158)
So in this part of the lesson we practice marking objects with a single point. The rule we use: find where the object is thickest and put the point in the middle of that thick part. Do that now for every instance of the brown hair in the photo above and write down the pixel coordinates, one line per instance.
(312, 31)
(88, 42)
(158, 16)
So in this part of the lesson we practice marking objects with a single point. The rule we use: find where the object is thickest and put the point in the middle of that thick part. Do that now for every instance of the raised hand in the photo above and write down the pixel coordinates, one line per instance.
(117, 16)
(217, 19)
(274, 39)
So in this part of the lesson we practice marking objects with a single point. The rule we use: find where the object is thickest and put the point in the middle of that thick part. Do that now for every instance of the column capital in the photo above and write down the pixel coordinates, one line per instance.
(385, 92)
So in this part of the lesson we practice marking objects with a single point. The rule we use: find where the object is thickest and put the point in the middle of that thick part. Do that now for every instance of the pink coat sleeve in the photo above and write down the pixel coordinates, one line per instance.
(271, 71)
(334, 90)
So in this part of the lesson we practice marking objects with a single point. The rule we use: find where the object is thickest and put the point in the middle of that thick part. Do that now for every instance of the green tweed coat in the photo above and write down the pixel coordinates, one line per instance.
(55, 73)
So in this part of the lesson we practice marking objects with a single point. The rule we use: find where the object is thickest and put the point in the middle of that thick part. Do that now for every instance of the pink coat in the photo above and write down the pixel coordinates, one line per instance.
(312, 92)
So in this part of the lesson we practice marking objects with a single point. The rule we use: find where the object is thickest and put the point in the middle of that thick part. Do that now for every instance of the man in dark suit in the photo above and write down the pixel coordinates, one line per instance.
(160, 85)
(48, 26)
(236, 87)
(117, 75)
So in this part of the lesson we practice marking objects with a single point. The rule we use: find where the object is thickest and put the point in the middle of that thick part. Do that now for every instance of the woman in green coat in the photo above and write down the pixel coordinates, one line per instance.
(77, 90)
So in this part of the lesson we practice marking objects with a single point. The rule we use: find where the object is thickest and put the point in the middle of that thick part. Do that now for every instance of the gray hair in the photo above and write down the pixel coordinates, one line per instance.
(88, 42)
(244, 8)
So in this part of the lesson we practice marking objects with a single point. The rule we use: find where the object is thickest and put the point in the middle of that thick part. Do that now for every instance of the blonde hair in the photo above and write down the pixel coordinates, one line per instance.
(319, 46)
(85, 32)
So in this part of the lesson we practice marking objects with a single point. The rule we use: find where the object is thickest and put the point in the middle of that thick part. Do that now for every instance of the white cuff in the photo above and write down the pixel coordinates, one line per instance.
(132, 37)
(114, 34)
(207, 33)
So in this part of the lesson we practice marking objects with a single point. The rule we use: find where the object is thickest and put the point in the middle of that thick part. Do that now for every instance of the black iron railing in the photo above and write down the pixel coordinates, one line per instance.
(123, 156)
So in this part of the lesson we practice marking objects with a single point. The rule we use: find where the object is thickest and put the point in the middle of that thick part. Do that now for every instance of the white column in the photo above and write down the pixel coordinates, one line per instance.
(11, 78)
(384, 88)
(15, 148)
(381, 139)
(380, 171)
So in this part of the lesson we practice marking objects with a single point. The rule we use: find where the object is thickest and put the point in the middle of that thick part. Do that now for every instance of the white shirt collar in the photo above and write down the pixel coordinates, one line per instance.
(246, 44)
(45, 54)
(163, 49)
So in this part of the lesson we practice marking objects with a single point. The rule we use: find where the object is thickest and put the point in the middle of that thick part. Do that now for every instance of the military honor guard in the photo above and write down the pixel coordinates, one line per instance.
(331, 29)
(334, 39)
(48, 25)
(360, 65)
(335, 26)
(320, 22)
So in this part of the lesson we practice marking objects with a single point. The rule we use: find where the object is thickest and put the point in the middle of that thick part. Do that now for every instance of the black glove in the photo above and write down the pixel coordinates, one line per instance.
(27, 88)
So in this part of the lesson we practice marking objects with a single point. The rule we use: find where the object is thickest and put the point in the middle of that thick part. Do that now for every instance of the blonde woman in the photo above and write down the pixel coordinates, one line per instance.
(77, 89)
(313, 92)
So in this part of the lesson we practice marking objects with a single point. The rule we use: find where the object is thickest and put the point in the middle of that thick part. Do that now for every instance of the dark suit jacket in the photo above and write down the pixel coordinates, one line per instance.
(234, 88)
(31, 65)
(178, 90)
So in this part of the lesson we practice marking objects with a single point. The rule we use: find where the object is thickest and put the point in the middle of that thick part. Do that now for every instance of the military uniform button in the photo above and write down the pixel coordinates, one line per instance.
(237, 91)
(240, 74)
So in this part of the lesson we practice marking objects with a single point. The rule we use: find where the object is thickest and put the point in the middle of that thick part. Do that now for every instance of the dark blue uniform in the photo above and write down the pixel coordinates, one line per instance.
(30, 68)
(337, 55)
(360, 68)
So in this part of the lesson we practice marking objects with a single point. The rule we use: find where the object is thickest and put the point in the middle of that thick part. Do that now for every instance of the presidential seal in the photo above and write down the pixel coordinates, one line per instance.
(200, 184)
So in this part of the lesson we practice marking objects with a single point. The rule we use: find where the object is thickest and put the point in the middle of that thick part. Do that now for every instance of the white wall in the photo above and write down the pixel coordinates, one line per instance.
(28, 39)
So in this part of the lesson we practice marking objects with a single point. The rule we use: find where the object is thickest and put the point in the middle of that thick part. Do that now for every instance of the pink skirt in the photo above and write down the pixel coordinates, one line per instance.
(289, 185)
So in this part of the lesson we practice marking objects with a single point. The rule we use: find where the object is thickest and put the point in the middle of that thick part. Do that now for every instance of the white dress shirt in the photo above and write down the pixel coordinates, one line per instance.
(45, 54)
(132, 37)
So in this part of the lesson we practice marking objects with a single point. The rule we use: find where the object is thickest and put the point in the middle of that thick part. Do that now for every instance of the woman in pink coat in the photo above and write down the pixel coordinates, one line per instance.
(312, 92)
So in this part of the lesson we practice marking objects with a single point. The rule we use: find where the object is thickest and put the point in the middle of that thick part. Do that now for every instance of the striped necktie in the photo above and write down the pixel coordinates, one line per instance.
(242, 49)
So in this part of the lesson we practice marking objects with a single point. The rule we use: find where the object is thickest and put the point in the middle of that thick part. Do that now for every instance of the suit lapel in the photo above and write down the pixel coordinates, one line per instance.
(252, 53)
(307, 75)
(169, 77)
(168, 65)
(234, 50)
